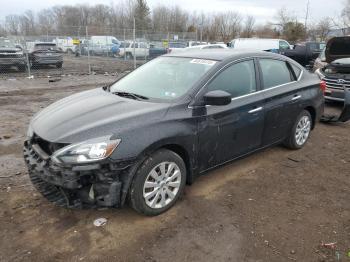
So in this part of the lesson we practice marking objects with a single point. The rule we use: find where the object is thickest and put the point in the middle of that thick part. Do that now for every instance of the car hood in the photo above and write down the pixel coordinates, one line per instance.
(341, 62)
(337, 48)
(92, 114)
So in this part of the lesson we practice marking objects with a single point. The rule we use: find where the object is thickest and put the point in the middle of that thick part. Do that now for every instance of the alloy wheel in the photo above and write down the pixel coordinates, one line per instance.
(162, 185)
(302, 131)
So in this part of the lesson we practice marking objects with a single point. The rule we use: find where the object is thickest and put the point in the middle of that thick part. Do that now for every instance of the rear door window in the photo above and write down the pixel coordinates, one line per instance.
(275, 72)
(238, 79)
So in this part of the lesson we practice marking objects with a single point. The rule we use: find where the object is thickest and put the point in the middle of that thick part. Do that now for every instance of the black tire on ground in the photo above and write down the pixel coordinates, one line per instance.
(50, 192)
(291, 141)
(129, 56)
(59, 65)
(135, 194)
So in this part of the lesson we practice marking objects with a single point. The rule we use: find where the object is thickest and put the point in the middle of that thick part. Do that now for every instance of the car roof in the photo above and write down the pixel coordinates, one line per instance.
(221, 54)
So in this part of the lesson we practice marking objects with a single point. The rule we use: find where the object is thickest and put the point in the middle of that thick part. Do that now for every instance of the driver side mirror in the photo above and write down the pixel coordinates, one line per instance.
(217, 98)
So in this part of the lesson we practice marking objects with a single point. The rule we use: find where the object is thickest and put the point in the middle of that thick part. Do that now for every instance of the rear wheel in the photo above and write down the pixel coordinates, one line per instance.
(300, 132)
(158, 183)
(59, 65)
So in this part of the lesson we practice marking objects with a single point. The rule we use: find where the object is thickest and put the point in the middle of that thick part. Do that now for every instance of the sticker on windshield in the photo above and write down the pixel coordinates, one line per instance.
(203, 62)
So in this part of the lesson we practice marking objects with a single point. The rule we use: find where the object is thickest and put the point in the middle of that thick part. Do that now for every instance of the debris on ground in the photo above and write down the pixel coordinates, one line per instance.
(54, 80)
(329, 245)
(100, 222)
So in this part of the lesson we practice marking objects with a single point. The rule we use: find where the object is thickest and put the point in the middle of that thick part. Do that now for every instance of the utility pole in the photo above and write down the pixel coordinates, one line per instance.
(88, 48)
(307, 14)
(134, 35)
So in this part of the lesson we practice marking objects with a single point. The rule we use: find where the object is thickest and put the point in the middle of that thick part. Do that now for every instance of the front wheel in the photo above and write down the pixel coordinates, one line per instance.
(158, 183)
(300, 132)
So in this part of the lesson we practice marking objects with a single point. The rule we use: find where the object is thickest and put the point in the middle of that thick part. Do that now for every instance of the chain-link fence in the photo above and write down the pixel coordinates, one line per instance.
(84, 50)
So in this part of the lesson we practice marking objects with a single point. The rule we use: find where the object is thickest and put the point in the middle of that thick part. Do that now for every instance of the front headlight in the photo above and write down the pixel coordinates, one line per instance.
(88, 151)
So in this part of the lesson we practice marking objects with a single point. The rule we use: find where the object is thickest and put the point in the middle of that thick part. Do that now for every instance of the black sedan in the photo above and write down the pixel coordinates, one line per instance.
(145, 136)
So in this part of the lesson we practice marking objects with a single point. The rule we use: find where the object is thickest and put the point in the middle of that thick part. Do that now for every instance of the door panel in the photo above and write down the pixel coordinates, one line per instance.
(282, 106)
(282, 99)
(238, 127)
(227, 132)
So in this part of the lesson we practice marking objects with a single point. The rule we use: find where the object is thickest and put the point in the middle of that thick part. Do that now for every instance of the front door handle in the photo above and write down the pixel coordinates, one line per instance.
(296, 97)
(255, 110)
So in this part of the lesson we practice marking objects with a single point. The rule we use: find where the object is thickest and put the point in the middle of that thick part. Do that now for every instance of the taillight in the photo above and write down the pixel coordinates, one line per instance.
(323, 86)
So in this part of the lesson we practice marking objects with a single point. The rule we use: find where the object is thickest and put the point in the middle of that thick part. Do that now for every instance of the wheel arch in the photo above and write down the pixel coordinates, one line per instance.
(182, 152)
(179, 149)
(175, 147)
(312, 112)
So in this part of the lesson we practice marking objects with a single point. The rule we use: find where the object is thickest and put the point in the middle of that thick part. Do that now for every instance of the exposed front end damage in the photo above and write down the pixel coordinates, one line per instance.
(345, 114)
(102, 184)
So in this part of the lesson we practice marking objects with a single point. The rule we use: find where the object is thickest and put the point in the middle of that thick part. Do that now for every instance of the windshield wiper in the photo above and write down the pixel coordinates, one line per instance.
(130, 95)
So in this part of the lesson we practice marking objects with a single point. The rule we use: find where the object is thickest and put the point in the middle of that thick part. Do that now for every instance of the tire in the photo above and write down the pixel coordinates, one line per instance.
(59, 65)
(162, 191)
(302, 126)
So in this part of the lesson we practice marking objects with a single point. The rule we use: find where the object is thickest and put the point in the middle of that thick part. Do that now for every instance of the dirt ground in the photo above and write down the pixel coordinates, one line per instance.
(276, 205)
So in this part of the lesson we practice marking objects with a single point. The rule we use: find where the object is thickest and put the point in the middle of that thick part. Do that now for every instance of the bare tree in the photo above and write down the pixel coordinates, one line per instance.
(228, 24)
(248, 27)
(12, 23)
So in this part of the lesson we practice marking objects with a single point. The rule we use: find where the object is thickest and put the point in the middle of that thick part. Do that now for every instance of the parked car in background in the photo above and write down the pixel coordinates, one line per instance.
(103, 46)
(156, 50)
(196, 43)
(208, 46)
(131, 49)
(174, 47)
(145, 136)
(333, 66)
(305, 53)
(45, 53)
(67, 45)
(270, 45)
(11, 55)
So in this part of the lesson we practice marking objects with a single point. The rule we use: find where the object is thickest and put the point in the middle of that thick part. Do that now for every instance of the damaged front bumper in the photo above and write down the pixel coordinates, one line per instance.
(102, 184)
(345, 114)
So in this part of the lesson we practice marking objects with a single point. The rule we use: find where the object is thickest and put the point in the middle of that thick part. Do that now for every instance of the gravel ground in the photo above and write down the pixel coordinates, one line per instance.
(276, 205)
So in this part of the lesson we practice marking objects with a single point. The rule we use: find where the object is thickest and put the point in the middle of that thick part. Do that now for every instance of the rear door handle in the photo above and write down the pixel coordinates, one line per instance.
(296, 97)
(255, 110)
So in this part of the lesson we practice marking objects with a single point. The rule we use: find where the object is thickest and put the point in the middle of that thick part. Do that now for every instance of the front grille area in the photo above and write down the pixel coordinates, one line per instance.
(48, 147)
(334, 83)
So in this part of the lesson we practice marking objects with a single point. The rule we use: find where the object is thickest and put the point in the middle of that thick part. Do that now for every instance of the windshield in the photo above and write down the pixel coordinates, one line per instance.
(6, 43)
(164, 77)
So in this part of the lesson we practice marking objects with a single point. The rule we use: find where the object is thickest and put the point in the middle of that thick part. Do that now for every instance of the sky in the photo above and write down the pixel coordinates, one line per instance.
(262, 10)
